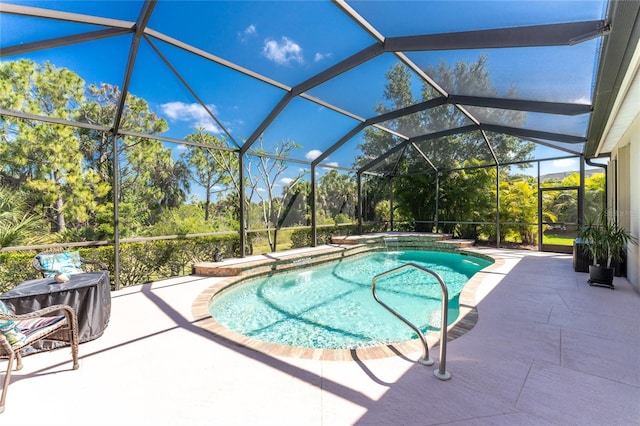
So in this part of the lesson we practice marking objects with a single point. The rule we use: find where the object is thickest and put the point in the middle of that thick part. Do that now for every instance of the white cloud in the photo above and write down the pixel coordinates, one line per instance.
(332, 163)
(195, 114)
(248, 32)
(585, 100)
(313, 154)
(286, 181)
(320, 56)
(565, 163)
(282, 52)
(261, 190)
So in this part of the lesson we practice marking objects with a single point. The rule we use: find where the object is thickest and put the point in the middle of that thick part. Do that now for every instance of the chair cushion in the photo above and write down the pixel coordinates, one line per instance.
(67, 262)
(35, 328)
(10, 329)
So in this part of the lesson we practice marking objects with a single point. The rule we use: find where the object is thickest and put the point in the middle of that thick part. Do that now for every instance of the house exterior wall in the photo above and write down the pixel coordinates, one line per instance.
(624, 192)
(633, 253)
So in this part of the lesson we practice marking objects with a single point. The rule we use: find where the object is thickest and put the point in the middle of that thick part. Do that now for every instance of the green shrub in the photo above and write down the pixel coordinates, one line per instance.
(154, 260)
(15, 267)
(139, 262)
(301, 238)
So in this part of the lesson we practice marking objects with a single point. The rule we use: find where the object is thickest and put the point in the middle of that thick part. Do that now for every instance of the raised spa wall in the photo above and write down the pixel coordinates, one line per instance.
(340, 247)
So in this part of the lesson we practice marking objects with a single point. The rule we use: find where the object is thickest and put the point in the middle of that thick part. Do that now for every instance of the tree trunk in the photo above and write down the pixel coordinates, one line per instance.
(274, 244)
(207, 203)
(60, 215)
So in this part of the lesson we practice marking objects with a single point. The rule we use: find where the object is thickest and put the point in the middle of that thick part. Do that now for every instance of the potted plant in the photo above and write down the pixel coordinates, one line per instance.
(605, 241)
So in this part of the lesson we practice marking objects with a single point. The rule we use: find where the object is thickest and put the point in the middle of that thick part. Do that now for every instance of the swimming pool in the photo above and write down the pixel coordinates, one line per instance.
(331, 306)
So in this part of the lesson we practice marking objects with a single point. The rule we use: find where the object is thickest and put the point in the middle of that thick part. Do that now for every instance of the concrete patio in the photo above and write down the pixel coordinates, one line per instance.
(547, 349)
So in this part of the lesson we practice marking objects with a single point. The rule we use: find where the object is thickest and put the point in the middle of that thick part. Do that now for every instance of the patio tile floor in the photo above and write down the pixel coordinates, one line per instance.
(547, 349)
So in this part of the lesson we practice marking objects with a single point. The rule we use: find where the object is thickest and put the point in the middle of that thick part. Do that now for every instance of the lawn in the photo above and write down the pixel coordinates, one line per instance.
(560, 240)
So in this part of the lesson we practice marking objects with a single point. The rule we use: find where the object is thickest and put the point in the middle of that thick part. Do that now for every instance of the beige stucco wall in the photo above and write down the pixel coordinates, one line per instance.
(633, 253)
(623, 177)
(624, 191)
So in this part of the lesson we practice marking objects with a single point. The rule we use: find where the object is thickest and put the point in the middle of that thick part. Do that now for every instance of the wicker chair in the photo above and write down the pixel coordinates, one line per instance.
(40, 268)
(36, 326)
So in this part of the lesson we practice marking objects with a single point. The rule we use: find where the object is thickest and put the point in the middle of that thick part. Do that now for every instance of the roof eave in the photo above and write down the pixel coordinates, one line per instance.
(616, 62)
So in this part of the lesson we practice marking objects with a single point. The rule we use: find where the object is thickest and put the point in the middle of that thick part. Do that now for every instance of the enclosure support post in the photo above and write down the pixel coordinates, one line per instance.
(498, 205)
(437, 225)
(581, 194)
(243, 231)
(391, 203)
(540, 225)
(359, 180)
(116, 214)
(314, 229)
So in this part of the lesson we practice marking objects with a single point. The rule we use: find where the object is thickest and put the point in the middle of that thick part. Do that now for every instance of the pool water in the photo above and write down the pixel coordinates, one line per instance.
(331, 306)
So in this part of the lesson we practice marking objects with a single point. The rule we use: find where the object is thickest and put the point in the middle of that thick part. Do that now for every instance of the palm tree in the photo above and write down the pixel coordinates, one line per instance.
(17, 225)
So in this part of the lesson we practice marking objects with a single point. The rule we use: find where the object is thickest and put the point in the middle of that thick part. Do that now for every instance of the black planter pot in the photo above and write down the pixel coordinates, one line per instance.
(581, 257)
(601, 276)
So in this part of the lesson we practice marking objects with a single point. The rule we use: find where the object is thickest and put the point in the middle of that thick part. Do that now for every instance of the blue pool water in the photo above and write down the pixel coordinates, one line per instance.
(331, 306)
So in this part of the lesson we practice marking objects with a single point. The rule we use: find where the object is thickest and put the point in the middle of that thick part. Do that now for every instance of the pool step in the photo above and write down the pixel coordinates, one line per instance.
(264, 263)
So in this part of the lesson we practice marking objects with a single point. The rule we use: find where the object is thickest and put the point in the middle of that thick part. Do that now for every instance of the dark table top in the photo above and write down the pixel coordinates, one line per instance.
(49, 285)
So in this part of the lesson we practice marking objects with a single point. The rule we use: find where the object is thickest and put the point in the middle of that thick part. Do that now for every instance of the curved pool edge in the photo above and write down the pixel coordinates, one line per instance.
(466, 320)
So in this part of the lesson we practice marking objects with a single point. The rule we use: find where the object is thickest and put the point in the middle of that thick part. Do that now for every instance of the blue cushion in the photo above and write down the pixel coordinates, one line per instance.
(9, 328)
(67, 263)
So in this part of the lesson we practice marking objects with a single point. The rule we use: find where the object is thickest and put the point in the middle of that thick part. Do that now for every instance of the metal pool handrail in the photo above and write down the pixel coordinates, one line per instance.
(441, 373)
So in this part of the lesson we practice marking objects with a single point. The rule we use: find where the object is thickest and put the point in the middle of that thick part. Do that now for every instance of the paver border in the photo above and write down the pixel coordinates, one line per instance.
(467, 318)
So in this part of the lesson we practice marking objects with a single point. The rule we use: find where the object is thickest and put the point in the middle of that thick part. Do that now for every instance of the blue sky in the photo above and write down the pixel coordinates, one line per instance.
(292, 41)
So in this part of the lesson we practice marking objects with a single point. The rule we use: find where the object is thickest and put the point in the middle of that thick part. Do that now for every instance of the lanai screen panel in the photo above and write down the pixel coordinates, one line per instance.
(81, 61)
(508, 75)
(407, 18)
(387, 166)
(309, 128)
(569, 126)
(191, 91)
(366, 92)
(554, 74)
(538, 73)
(17, 29)
(453, 152)
(247, 70)
(128, 10)
(278, 40)
(429, 121)
(363, 89)
(337, 197)
(546, 150)
(351, 154)
(277, 193)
